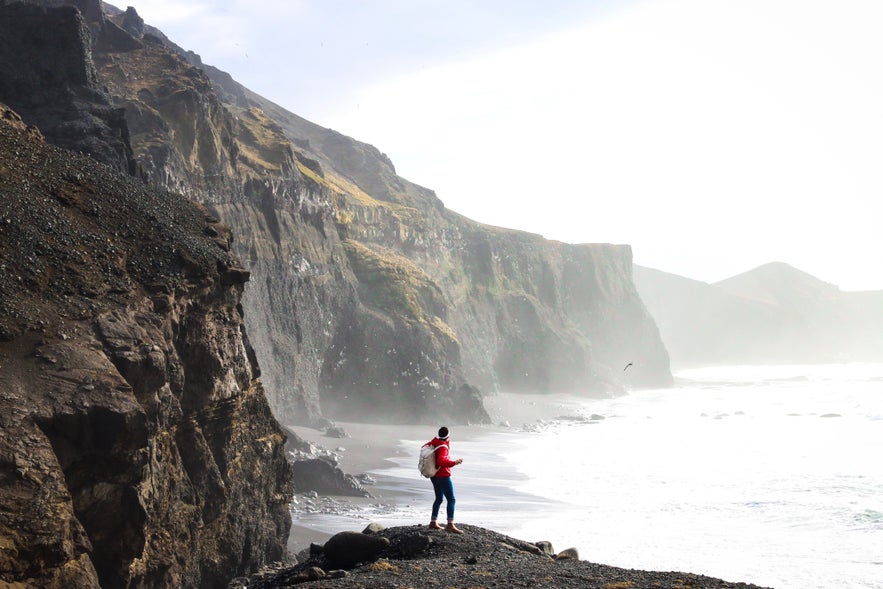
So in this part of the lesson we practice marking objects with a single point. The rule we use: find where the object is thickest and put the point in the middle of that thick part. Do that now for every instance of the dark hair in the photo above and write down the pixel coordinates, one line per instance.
(442, 432)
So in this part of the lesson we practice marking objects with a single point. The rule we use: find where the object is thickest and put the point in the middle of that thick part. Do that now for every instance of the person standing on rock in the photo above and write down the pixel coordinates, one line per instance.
(441, 482)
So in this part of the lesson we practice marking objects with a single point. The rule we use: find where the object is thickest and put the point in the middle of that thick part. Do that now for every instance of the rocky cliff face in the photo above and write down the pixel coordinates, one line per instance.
(323, 338)
(368, 299)
(527, 314)
(137, 447)
(47, 75)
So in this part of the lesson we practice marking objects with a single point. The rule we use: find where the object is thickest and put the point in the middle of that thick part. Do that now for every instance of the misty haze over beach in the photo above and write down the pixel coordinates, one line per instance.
(742, 472)
(626, 251)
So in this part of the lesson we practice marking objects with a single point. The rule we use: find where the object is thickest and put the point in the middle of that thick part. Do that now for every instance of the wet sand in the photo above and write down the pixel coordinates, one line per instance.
(371, 448)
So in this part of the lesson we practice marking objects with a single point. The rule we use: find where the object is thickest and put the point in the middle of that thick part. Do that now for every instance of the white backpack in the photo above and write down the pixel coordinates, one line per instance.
(426, 463)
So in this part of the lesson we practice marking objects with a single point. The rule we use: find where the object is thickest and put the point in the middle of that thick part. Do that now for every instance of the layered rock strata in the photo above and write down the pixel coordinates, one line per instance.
(326, 313)
(368, 299)
(371, 300)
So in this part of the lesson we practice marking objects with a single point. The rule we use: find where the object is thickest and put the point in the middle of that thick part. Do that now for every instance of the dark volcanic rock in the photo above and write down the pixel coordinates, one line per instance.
(48, 77)
(347, 549)
(137, 447)
(419, 557)
(568, 554)
(320, 475)
(336, 432)
(132, 22)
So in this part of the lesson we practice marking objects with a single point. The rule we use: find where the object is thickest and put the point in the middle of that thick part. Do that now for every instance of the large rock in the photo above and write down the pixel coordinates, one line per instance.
(321, 476)
(347, 549)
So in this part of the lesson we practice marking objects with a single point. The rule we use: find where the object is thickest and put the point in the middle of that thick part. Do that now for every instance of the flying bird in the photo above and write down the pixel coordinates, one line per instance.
(626, 366)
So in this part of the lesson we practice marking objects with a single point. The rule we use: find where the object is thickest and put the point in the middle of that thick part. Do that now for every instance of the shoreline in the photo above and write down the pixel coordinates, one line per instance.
(696, 478)
(367, 449)
(375, 448)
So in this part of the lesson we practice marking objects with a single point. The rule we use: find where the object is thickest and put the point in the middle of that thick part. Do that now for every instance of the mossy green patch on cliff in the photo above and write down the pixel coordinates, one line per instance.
(351, 202)
(394, 285)
(261, 142)
(442, 329)
(336, 184)
(391, 281)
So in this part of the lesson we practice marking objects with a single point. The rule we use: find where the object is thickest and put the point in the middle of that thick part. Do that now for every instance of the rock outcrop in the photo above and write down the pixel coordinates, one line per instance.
(415, 556)
(321, 475)
(47, 75)
(137, 447)
(345, 550)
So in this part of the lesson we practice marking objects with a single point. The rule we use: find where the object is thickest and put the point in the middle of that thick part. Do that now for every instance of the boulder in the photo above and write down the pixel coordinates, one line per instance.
(373, 528)
(546, 547)
(347, 549)
(315, 573)
(321, 476)
(336, 432)
(568, 554)
(409, 545)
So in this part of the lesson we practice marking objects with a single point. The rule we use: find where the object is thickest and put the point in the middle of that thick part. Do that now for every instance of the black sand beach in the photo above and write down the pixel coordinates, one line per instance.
(370, 448)
(408, 553)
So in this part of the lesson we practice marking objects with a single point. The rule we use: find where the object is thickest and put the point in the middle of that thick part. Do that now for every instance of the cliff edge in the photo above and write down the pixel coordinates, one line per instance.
(415, 556)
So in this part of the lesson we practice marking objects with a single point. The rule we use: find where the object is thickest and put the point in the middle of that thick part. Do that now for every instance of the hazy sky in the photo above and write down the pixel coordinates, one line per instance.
(713, 136)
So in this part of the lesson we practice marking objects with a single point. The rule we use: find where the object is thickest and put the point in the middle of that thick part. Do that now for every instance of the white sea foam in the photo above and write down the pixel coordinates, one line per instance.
(769, 475)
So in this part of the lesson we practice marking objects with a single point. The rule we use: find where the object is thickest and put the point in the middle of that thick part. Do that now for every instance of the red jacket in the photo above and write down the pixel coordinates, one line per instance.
(442, 459)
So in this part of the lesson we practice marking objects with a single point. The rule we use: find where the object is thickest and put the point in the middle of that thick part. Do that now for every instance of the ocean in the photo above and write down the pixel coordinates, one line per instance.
(762, 474)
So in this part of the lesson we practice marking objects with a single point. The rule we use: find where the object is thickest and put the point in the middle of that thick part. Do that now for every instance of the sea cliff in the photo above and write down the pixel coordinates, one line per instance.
(137, 447)
(368, 297)
(202, 231)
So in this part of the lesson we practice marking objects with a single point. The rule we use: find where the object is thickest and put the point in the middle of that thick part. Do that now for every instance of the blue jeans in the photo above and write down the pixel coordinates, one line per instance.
(444, 488)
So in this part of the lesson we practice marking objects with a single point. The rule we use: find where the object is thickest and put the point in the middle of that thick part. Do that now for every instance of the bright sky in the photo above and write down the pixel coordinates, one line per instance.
(712, 135)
